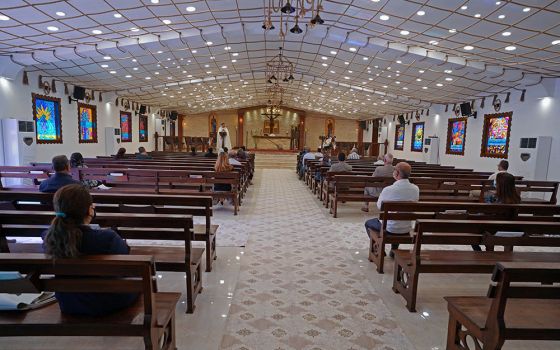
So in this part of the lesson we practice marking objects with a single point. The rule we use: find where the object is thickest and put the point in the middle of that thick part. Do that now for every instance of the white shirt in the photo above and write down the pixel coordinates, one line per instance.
(379, 162)
(233, 161)
(493, 176)
(400, 190)
(353, 155)
(308, 155)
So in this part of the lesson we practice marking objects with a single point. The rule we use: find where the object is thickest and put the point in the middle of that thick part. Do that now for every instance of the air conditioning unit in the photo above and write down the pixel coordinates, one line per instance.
(19, 145)
(431, 150)
(112, 140)
(534, 154)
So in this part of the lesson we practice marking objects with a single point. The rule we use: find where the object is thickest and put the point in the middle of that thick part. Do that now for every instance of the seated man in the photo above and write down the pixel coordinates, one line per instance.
(401, 190)
(61, 178)
(341, 166)
(142, 154)
(379, 160)
(354, 154)
(210, 153)
(381, 171)
(503, 166)
(308, 155)
(232, 154)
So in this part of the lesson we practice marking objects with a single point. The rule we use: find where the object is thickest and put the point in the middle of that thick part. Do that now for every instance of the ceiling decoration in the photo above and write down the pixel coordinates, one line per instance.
(279, 69)
(369, 59)
(302, 7)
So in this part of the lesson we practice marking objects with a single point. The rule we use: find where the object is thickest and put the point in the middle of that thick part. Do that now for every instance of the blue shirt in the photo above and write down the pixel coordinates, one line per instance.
(58, 180)
(97, 242)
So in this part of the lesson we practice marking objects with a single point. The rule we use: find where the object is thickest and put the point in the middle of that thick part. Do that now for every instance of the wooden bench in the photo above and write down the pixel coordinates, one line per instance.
(409, 265)
(521, 305)
(130, 226)
(412, 211)
(109, 202)
(152, 317)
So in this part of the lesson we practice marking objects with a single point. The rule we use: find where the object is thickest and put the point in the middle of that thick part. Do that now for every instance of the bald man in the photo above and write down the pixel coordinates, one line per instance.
(400, 190)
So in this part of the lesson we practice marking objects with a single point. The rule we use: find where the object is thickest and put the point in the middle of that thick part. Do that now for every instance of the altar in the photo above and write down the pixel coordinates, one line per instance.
(273, 142)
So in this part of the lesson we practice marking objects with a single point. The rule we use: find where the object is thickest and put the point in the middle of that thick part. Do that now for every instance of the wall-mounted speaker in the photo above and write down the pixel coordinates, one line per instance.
(466, 109)
(402, 121)
(79, 93)
(173, 115)
(142, 109)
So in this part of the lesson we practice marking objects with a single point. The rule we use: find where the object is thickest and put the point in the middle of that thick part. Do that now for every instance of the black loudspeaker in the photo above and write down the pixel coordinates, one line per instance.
(173, 115)
(466, 109)
(401, 120)
(363, 124)
(142, 109)
(79, 93)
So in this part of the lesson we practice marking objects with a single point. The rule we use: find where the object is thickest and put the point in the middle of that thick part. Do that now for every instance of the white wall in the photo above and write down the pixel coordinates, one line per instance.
(539, 115)
(15, 102)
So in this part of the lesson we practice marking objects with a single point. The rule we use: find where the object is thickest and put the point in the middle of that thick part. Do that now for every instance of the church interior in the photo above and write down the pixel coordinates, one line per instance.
(279, 174)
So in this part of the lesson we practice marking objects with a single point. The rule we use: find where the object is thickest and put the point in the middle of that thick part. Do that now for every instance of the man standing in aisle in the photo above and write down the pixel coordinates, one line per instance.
(223, 138)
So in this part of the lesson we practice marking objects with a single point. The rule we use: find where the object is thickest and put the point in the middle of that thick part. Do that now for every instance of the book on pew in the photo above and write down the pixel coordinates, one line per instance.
(21, 301)
(509, 234)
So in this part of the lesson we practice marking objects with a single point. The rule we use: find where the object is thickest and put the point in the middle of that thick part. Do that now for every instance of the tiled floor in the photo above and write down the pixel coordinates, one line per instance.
(302, 282)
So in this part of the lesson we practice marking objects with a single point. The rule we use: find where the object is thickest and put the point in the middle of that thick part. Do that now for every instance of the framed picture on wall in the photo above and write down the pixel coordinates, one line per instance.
(417, 137)
(456, 136)
(495, 135)
(126, 126)
(87, 123)
(399, 137)
(48, 119)
(143, 128)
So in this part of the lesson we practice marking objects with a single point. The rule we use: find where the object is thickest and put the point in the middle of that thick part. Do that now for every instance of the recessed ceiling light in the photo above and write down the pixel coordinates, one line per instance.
(421, 13)
(526, 9)
(135, 29)
(384, 17)
(97, 31)
(235, 54)
(191, 9)
(405, 32)
(418, 79)
(154, 1)
(375, 0)
(209, 43)
(104, 66)
(468, 48)
(353, 49)
(399, 62)
(134, 60)
(194, 51)
(453, 30)
(148, 78)
(324, 64)
(498, 3)
(233, 61)
(439, 84)
(52, 28)
(324, 58)
(464, 7)
(448, 71)
(332, 71)
(117, 15)
(113, 72)
(135, 68)
(227, 48)
(477, 15)
(506, 33)
(60, 14)
(555, 42)
(333, 52)
(166, 21)
(421, 71)
(160, 51)
(510, 48)
(424, 87)
(449, 79)
(433, 42)
(128, 76)
(502, 16)
(224, 67)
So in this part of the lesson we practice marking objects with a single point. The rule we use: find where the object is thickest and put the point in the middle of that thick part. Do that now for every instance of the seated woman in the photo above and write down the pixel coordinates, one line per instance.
(120, 153)
(77, 161)
(222, 165)
(70, 236)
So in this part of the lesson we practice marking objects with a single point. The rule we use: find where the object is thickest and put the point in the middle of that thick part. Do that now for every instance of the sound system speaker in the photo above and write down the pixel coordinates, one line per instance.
(363, 124)
(466, 109)
(79, 93)
(401, 120)
(142, 109)
(173, 115)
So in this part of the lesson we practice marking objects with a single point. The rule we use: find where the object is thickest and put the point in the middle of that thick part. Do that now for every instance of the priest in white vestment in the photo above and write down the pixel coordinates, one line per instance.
(223, 137)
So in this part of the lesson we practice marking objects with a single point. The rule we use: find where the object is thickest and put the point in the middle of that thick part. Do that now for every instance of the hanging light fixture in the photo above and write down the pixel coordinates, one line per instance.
(279, 68)
(302, 7)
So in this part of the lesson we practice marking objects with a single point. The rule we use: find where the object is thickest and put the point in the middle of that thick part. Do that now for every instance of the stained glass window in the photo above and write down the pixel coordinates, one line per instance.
(399, 137)
(417, 137)
(87, 123)
(456, 136)
(48, 119)
(126, 126)
(495, 138)
(143, 128)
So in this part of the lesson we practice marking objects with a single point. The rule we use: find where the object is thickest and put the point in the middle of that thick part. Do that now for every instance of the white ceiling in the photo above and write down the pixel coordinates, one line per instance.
(355, 65)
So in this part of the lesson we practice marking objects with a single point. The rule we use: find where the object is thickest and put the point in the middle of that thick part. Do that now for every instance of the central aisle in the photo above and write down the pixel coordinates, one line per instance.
(299, 287)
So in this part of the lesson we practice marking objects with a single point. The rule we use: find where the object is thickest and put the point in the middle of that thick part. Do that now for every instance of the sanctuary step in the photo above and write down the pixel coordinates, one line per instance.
(273, 160)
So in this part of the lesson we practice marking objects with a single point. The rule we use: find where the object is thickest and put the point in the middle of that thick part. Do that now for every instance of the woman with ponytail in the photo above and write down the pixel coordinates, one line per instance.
(70, 236)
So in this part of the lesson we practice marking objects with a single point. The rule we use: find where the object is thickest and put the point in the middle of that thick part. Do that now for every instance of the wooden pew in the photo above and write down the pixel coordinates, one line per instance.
(109, 202)
(152, 317)
(522, 304)
(130, 226)
(409, 265)
(412, 211)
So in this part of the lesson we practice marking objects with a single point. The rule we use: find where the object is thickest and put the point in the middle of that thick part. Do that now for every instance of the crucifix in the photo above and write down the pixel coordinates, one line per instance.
(272, 114)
